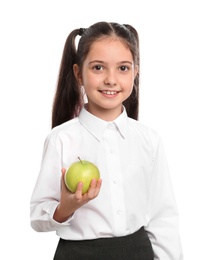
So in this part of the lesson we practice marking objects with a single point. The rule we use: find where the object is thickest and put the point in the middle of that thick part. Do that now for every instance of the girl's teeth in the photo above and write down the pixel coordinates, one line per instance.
(109, 92)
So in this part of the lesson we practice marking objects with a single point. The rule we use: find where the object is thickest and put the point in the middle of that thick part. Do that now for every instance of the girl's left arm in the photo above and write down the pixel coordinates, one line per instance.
(163, 228)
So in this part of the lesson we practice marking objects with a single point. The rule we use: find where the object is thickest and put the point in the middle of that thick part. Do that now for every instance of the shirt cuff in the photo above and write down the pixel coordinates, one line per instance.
(50, 210)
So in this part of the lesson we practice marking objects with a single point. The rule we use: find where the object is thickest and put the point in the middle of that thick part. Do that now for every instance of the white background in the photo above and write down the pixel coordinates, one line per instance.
(176, 82)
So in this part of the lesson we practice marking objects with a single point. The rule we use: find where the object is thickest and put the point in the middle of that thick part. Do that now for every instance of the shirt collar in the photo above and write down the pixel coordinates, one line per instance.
(97, 126)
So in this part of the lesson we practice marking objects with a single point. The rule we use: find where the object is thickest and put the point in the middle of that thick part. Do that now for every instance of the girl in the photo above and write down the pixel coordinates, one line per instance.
(130, 213)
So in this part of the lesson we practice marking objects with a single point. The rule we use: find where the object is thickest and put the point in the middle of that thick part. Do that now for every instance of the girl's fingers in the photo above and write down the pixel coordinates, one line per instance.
(63, 170)
(92, 193)
(98, 187)
(62, 178)
(63, 186)
(78, 192)
(94, 188)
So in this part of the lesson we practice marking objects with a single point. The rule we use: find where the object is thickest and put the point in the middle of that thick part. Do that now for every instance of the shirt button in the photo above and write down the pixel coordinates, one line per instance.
(119, 212)
(115, 181)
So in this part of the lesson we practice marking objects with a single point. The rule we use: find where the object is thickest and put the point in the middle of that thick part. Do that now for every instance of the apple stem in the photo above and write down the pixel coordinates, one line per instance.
(80, 159)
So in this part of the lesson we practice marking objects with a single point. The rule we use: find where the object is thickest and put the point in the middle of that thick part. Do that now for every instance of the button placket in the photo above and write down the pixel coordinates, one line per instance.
(114, 171)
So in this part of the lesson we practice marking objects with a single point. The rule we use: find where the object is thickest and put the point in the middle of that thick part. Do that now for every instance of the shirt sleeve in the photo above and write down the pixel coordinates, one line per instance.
(163, 228)
(46, 194)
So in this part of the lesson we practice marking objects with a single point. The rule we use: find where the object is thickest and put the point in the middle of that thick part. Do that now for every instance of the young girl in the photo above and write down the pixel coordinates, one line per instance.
(130, 213)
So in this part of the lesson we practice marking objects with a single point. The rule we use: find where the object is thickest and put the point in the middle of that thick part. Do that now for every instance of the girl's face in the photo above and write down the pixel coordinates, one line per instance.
(108, 74)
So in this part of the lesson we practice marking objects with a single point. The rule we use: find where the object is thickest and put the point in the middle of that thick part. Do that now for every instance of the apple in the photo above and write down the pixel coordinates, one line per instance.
(81, 171)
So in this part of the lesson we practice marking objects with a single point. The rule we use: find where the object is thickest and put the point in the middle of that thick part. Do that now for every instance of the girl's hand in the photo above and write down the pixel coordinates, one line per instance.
(70, 202)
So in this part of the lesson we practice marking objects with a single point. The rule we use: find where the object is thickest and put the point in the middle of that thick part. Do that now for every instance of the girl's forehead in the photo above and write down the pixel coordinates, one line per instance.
(105, 40)
(109, 49)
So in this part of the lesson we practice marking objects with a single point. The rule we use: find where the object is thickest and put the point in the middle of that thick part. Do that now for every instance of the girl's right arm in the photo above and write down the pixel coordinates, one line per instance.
(51, 202)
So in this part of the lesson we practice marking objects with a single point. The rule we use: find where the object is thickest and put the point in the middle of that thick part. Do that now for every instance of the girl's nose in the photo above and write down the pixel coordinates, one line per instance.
(110, 79)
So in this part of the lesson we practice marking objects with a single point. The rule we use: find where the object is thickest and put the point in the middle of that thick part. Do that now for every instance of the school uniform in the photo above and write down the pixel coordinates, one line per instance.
(136, 201)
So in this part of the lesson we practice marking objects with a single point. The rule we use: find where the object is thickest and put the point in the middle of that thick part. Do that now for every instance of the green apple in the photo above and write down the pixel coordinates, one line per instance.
(81, 171)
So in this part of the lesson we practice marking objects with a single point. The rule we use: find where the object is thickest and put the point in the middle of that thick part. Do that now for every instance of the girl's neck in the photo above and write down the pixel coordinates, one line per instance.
(108, 115)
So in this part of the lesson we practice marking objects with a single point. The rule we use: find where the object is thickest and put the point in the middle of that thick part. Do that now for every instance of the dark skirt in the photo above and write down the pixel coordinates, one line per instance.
(131, 247)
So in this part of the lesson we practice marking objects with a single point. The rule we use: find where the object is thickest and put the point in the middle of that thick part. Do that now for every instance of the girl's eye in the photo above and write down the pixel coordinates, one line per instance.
(97, 67)
(124, 68)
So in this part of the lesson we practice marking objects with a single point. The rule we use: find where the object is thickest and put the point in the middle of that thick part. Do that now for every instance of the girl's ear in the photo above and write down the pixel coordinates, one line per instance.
(135, 71)
(77, 74)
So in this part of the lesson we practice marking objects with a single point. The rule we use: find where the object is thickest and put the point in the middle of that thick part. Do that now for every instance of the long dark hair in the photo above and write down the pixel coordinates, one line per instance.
(68, 99)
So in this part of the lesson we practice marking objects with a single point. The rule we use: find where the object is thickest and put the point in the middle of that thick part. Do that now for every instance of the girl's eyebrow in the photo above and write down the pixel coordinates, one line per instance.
(96, 61)
(100, 61)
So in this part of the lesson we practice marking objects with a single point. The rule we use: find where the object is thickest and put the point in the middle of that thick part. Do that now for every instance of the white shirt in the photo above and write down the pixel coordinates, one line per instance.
(136, 188)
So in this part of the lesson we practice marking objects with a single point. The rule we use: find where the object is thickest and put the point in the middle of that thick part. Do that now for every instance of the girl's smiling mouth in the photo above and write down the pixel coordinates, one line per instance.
(109, 92)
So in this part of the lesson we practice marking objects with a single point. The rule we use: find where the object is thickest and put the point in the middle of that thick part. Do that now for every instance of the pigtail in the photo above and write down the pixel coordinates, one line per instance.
(68, 99)
(132, 102)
